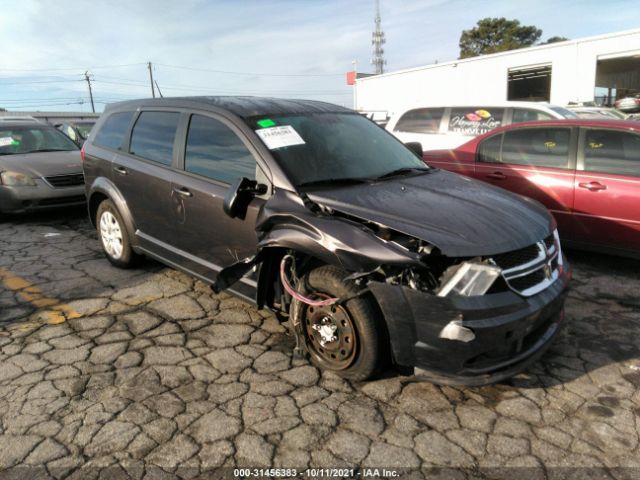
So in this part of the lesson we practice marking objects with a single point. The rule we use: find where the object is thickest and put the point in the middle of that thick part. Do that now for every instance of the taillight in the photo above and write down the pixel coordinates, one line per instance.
(82, 154)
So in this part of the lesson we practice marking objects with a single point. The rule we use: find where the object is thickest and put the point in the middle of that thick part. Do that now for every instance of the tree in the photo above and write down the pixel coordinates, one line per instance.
(554, 40)
(492, 35)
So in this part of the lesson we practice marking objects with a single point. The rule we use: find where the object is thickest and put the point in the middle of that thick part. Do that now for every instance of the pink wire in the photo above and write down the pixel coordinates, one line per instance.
(298, 296)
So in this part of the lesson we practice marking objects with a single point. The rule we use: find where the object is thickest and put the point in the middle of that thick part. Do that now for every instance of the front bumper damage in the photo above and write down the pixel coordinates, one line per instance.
(510, 331)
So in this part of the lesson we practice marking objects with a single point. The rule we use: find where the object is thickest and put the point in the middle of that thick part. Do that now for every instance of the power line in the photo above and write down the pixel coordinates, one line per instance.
(182, 67)
(67, 68)
(210, 89)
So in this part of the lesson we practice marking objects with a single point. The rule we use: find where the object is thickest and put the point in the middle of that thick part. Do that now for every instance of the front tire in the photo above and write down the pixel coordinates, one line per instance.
(350, 338)
(114, 237)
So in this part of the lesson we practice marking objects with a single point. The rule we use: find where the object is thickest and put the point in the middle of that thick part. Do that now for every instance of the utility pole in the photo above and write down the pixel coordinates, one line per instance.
(377, 40)
(88, 79)
(153, 91)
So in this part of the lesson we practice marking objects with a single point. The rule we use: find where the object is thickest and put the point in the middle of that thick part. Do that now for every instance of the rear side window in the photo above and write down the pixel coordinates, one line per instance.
(474, 121)
(214, 151)
(153, 136)
(420, 120)
(489, 150)
(114, 130)
(529, 115)
(540, 147)
(614, 152)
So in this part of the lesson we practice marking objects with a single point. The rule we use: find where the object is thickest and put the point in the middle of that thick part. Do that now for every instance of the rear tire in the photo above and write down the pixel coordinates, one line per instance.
(358, 346)
(114, 237)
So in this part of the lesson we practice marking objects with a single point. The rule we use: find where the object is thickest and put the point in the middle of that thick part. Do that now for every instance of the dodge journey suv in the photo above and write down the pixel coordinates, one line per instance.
(313, 211)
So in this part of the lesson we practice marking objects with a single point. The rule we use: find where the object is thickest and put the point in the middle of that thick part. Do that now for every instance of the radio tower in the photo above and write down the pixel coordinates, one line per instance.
(377, 40)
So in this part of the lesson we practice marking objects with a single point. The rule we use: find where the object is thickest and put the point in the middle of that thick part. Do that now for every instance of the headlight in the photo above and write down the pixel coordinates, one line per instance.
(16, 179)
(470, 279)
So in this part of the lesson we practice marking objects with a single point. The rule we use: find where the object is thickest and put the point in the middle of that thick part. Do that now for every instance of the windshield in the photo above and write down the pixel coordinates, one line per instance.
(84, 129)
(29, 139)
(317, 147)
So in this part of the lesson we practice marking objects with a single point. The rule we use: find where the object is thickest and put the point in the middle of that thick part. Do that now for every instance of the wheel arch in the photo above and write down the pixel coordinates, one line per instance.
(103, 189)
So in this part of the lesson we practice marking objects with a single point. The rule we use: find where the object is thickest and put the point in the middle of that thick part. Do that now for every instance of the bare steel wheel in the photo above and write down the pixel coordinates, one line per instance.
(348, 338)
(114, 236)
(331, 335)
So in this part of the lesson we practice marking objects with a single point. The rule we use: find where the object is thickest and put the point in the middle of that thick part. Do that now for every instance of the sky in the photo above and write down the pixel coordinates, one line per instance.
(282, 48)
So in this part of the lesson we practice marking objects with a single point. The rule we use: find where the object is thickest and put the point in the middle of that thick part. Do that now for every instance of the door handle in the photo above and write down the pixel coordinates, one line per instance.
(120, 170)
(183, 191)
(496, 175)
(593, 186)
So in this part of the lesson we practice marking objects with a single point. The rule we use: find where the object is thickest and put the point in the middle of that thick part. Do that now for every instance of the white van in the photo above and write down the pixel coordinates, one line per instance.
(443, 128)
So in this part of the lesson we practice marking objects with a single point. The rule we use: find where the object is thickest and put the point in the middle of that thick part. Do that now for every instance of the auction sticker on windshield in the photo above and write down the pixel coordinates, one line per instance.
(4, 141)
(278, 137)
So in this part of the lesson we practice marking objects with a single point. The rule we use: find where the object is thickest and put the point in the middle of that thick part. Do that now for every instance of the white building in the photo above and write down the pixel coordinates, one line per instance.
(605, 66)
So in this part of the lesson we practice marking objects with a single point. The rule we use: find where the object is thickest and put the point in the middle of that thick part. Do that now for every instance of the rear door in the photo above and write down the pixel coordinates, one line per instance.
(143, 175)
(536, 162)
(607, 199)
(214, 153)
(465, 123)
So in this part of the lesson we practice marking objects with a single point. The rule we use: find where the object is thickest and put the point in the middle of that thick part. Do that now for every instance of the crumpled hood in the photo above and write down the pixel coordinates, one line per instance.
(43, 164)
(461, 216)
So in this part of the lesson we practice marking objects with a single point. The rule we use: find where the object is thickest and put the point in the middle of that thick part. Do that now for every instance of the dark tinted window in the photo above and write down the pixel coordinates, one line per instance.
(528, 115)
(113, 130)
(420, 120)
(215, 151)
(153, 135)
(609, 151)
(475, 120)
(541, 147)
(489, 150)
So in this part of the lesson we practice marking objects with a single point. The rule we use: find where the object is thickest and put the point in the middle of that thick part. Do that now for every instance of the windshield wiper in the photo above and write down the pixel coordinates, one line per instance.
(49, 150)
(403, 171)
(334, 181)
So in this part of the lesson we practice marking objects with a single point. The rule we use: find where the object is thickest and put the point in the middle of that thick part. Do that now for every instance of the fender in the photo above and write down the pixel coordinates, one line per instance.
(286, 222)
(106, 187)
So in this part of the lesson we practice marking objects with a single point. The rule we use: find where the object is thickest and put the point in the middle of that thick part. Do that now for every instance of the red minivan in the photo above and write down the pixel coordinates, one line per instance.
(586, 172)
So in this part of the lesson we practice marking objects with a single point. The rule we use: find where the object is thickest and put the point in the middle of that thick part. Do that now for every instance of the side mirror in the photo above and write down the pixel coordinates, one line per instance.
(415, 147)
(239, 196)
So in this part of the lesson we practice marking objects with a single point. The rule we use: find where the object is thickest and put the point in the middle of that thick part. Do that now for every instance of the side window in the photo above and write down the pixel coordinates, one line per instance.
(475, 121)
(214, 151)
(489, 150)
(113, 130)
(69, 131)
(609, 151)
(529, 115)
(420, 120)
(539, 147)
(153, 135)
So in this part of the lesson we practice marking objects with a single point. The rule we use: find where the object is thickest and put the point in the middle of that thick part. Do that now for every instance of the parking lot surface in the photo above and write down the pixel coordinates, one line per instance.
(145, 373)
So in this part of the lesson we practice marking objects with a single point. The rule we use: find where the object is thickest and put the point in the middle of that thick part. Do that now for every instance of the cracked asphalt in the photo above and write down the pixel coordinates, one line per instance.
(146, 373)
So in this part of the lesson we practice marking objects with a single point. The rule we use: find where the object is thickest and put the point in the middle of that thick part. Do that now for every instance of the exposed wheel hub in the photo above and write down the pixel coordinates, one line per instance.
(327, 330)
(330, 335)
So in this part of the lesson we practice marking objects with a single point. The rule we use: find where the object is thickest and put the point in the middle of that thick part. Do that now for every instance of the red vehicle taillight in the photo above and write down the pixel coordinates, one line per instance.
(82, 154)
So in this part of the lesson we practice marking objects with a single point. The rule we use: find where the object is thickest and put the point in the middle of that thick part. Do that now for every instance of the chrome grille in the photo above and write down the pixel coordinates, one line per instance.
(530, 270)
(61, 181)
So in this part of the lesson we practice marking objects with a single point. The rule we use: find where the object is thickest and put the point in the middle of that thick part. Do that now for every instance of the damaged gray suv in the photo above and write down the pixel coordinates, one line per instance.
(313, 211)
